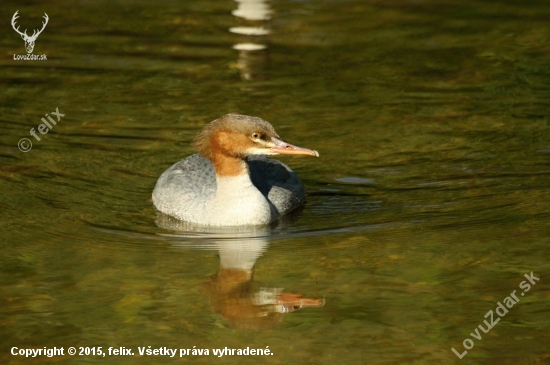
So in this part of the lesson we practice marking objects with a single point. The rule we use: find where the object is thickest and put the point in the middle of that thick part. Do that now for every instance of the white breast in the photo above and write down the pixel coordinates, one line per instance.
(237, 202)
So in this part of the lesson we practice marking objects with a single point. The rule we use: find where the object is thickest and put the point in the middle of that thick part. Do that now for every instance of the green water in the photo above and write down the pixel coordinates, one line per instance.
(427, 206)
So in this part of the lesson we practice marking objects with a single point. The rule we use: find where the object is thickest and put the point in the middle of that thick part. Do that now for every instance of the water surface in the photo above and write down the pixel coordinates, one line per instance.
(427, 206)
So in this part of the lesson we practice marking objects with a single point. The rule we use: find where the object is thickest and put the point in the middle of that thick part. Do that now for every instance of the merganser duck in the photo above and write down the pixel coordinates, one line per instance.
(230, 182)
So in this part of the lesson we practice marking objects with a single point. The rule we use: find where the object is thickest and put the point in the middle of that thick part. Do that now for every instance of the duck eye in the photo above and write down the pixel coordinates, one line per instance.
(255, 135)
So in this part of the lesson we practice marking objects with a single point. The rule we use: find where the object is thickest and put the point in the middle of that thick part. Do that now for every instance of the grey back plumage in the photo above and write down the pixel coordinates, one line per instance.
(277, 182)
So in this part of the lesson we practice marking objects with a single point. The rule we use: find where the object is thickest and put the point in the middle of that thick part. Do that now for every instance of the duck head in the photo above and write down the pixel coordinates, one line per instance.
(227, 141)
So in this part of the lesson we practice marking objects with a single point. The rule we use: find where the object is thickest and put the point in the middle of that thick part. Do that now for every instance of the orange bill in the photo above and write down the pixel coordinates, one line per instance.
(284, 148)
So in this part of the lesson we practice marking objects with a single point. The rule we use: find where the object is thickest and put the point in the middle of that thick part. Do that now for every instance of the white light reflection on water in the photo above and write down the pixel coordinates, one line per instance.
(253, 17)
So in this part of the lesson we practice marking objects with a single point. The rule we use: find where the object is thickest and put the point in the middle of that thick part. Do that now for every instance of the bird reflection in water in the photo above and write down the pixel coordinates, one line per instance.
(232, 291)
(253, 17)
(244, 302)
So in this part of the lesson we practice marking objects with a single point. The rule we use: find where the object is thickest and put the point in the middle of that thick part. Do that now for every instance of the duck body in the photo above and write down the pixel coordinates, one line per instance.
(190, 190)
(231, 182)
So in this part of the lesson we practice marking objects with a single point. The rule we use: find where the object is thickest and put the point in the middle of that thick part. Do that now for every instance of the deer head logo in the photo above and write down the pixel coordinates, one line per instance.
(29, 41)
